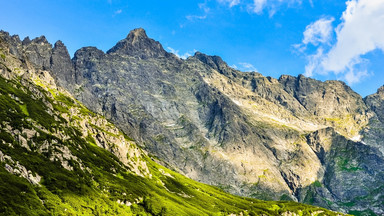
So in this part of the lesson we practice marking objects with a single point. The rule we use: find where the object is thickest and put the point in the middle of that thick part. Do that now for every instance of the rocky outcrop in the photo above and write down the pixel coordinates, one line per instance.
(17, 169)
(352, 177)
(58, 157)
(332, 102)
(32, 69)
(139, 45)
(60, 62)
(288, 138)
(376, 103)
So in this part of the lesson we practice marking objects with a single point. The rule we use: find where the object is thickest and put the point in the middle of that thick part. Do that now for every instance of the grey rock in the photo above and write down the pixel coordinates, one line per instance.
(39, 52)
(296, 137)
(14, 43)
(61, 63)
(138, 44)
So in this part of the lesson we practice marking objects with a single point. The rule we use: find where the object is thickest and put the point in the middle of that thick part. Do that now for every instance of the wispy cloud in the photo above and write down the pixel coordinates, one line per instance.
(311, 3)
(195, 17)
(257, 6)
(205, 9)
(313, 61)
(246, 66)
(118, 11)
(316, 33)
(251, 6)
(260, 6)
(230, 3)
(176, 52)
(361, 31)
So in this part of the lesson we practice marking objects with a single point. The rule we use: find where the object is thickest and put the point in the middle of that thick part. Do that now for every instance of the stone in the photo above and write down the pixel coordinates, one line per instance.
(292, 137)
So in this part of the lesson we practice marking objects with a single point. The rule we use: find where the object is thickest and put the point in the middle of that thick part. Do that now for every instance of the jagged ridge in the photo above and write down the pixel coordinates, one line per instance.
(57, 157)
(244, 132)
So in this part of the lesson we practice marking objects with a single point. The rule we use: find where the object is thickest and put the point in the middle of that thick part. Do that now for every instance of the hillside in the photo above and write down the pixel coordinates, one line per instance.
(289, 138)
(59, 158)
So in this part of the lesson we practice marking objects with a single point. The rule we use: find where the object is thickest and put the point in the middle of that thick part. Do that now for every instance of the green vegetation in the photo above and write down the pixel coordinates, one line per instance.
(285, 197)
(363, 213)
(97, 182)
(345, 165)
(317, 184)
(309, 197)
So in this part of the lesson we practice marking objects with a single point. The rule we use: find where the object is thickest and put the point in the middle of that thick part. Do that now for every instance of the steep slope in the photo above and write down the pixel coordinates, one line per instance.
(246, 133)
(59, 158)
(374, 133)
(329, 118)
(240, 131)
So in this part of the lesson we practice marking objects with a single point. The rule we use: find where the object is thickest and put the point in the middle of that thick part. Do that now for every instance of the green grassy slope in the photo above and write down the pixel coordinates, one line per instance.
(48, 166)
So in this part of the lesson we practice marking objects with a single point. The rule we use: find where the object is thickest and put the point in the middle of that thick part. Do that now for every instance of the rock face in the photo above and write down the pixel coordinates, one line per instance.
(61, 63)
(59, 158)
(138, 44)
(288, 138)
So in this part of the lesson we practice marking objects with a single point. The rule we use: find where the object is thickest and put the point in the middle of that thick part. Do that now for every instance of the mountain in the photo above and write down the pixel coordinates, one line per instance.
(292, 138)
(288, 138)
(59, 158)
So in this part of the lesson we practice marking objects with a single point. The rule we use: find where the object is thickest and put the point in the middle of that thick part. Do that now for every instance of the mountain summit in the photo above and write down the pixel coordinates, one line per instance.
(292, 138)
(138, 44)
(59, 158)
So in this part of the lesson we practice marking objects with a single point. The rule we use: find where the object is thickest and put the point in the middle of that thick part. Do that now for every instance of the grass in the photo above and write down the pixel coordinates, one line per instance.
(98, 179)
(345, 165)
(317, 184)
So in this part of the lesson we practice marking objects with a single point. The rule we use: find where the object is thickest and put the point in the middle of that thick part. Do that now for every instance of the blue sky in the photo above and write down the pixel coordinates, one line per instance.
(324, 39)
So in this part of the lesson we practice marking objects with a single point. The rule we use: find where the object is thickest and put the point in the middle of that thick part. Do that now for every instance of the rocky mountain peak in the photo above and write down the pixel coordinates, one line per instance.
(250, 134)
(88, 53)
(8, 38)
(138, 44)
(380, 90)
(12, 43)
(215, 62)
(40, 40)
(61, 63)
(137, 34)
(26, 41)
(376, 102)
(38, 51)
(59, 44)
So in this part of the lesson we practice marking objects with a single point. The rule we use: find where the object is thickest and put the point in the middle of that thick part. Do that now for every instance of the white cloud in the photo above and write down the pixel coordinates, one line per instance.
(318, 32)
(311, 3)
(230, 3)
(353, 76)
(258, 6)
(204, 8)
(313, 62)
(176, 52)
(252, 6)
(247, 66)
(118, 11)
(361, 31)
(195, 17)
